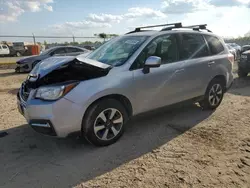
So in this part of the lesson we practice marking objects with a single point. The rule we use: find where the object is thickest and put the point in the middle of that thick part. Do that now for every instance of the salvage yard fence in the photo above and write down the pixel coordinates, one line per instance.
(35, 37)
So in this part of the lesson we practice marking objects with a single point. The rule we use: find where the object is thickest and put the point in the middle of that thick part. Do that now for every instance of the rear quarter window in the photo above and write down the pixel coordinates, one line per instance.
(214, 44)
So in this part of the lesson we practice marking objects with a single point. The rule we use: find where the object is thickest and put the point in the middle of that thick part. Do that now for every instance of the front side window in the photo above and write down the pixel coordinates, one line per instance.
(215, 45)
(118, 50)
(164, 47)
(4, 47)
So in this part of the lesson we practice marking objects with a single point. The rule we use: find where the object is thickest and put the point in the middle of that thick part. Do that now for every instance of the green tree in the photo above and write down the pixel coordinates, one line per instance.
(102, 36)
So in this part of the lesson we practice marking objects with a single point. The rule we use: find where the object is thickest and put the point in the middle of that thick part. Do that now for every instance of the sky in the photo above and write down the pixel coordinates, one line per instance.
(228, 18)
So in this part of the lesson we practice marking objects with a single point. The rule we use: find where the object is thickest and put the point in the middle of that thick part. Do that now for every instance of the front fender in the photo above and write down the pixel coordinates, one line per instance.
(91, 90)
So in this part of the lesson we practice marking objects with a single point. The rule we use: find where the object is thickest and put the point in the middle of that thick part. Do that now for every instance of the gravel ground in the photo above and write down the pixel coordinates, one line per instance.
(177, 147)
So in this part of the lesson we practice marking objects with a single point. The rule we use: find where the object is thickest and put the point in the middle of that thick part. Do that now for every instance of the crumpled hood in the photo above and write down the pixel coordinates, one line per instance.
(48, 65)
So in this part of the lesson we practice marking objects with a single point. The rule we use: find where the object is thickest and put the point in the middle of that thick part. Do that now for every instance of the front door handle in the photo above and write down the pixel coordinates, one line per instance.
(211, 63)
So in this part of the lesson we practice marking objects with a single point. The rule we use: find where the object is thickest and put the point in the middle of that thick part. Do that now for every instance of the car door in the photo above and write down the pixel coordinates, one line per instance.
(194, 55)
(162, 85)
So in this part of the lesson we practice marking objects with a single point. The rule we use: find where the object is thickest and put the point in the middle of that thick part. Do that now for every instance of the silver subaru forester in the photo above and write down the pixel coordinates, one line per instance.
(130, 74)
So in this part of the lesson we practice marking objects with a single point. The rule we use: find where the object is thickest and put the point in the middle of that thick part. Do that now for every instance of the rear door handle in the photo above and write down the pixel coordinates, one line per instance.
(211, 63)
(179, 70)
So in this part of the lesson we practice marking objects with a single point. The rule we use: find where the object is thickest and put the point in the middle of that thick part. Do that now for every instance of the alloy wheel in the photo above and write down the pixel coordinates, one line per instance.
(215, 95)
(108, 124)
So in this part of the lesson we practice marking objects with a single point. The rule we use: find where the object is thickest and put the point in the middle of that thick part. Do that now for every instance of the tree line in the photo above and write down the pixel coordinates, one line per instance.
(240, 40)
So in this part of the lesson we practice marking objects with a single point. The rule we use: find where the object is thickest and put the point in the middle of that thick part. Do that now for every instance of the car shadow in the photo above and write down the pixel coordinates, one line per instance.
(29, 159)
(241, 86)
(5, 74)
(12, 91)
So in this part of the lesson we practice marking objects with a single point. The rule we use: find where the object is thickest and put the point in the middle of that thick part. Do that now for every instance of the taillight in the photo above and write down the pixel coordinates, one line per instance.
(231, 58)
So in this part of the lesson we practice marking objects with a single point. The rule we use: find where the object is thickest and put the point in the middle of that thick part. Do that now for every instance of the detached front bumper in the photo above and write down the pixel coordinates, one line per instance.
(23, 68)
(54, 118)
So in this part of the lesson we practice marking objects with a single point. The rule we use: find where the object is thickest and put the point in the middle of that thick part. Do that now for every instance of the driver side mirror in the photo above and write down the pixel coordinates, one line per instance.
(151, 62)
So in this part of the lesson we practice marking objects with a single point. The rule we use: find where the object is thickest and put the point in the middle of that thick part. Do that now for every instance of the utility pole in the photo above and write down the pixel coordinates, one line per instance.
(34, 39)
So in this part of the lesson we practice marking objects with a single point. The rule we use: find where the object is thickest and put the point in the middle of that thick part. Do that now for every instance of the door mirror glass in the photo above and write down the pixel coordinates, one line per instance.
(151, 62)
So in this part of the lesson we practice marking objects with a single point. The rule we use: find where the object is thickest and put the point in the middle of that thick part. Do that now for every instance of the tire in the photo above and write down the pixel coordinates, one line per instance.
(102, 133)
(242, 73)
(18, 54)
(213, 99)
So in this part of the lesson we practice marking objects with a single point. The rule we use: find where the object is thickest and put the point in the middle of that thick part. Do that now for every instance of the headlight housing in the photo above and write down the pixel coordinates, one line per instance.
(52, 93)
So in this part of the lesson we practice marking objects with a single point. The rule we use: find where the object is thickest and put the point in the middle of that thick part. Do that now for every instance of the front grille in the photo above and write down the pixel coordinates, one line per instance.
(25, 91)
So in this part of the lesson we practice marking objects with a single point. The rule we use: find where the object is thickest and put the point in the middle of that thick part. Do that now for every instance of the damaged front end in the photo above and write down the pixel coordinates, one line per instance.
(61, 71)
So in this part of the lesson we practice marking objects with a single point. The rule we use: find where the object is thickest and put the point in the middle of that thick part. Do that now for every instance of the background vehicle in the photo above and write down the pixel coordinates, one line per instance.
(19, 49)
(236, 47)
(128, 75)
(28, 63)
(4, 50)
(245, 48)
(244, 64)
(232, 51)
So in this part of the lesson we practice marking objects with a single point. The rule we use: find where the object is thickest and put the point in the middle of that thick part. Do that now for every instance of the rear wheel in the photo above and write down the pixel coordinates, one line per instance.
(242, 73)
(18, 54)
(104, 122)
(214, 94)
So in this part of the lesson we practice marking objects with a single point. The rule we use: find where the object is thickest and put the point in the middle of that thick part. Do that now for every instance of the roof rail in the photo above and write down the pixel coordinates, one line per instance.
(198, 27)
(138, 29)
(194, 27)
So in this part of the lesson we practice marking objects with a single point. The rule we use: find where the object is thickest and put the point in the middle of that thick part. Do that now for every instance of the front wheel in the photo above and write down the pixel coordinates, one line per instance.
(214, 95)
(104, 122)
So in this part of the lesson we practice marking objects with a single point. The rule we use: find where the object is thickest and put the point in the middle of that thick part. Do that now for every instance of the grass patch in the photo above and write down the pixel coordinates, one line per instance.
(8, 63)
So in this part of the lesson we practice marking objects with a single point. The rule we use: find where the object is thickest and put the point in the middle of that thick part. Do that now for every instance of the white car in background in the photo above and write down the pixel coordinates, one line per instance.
(4, 50)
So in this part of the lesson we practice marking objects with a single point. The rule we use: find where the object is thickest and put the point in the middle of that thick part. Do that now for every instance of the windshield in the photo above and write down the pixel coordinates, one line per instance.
(117, 51)
(46, 51)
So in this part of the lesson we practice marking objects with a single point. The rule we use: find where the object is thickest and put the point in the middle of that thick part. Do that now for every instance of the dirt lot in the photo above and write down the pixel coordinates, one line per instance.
(180, 147)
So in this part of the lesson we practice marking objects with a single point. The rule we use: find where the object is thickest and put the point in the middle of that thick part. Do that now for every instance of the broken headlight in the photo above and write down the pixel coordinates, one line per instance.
(53, 92)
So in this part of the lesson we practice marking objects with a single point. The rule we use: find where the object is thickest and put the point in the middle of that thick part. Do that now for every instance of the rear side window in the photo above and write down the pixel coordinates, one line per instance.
(72, 50)
(214, 44)
(193, 46)
(4, 47)
(60, 51)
